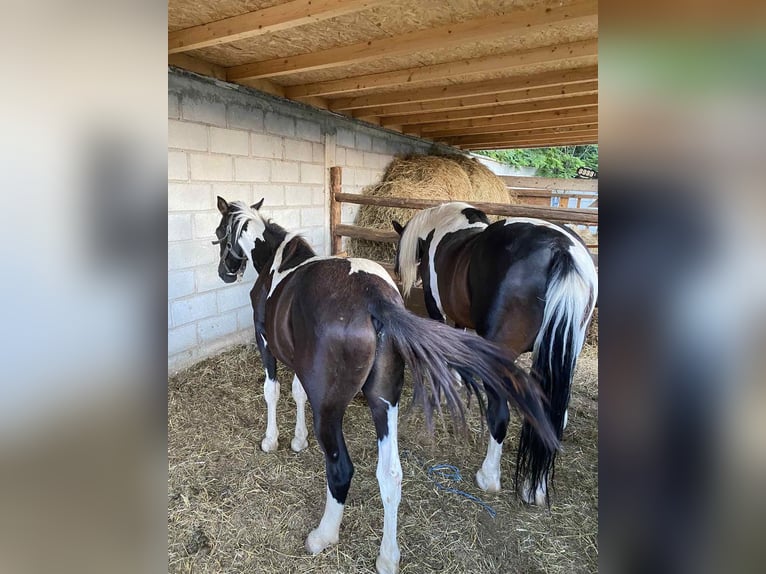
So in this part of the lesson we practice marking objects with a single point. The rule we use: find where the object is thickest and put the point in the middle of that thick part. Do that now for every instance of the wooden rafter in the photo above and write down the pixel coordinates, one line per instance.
(410, 76)
(204, 68)
(450, 91)
(430, 39)
(528, 95)
(529, 144)
(569, 138)
(516, 127)
(491, 111)
(274, 19)
(521, 117)
(523, 134)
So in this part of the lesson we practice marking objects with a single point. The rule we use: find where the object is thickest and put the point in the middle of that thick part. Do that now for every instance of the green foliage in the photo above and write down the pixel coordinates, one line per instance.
(549, 161)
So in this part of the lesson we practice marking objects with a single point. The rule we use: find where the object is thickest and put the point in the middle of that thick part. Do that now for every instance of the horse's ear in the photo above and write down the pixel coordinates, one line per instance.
(397, 226)
(223, 207)
(257, 206)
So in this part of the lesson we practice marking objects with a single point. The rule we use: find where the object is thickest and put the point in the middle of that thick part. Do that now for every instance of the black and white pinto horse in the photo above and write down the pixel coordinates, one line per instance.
(525, 284)
(341, 325)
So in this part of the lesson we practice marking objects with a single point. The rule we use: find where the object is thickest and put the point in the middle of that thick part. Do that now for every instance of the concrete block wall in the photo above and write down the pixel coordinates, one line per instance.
(241, 144)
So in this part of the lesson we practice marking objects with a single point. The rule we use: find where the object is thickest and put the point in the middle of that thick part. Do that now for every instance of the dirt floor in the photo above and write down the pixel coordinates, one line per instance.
(233, 508)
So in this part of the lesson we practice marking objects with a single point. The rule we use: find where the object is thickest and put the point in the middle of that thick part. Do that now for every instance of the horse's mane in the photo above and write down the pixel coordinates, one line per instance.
(241, 214)
(446, 218)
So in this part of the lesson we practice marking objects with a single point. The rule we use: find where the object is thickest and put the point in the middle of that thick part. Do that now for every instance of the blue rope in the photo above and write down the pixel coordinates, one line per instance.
(448, 472)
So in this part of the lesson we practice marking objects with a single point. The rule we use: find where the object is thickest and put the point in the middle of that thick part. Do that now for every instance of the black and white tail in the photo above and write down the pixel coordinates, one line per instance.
(570, 298)
(431, 349)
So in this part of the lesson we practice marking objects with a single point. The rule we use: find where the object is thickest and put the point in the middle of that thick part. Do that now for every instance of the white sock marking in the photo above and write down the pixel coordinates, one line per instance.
(271, 394)
(389, 474)
(299, 441)
(327, 532)
(537, 495)
(488, 476)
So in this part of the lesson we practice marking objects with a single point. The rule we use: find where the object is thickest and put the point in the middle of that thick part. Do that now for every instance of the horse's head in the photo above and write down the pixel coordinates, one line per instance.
(405, 268)
(236, 232)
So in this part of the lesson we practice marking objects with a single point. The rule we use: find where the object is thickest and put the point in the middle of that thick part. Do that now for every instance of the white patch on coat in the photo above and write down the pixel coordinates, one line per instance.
(367, 266)
(265, 344)
(271, 394)
(327, 532)
(299, 441)
(488, 476)
(389, 475)
(278, 276)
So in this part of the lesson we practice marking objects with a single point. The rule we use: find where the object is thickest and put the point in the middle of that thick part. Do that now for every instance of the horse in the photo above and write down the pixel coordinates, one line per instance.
(341, 325)
(525, 284)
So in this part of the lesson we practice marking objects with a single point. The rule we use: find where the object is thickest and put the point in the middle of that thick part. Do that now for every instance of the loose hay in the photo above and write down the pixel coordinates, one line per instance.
(233, 508)
(438, 177)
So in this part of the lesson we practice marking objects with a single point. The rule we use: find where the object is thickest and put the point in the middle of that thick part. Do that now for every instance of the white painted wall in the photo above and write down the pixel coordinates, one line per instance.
(240, 144)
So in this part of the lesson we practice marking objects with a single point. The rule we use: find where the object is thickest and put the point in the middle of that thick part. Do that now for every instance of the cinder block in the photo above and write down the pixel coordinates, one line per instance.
(312, 216)
(180, 284)
(354, 158)
(317, 153)
(308, 130)
(216, 327)
(205, 224)
(186, 254)
(177, 166)
(179, 226)
(248, 169)
(187, 135)
(182, 339)
(245, 319)
(234, 297)
(380, 145)
(267, 146)
(273, 195)
(190, 197)
(371, 160)
(363, 142)
(233, 192)
(203, 111)
(288, 218)
(174, 110)
(298, 195)
(317, 196)
(297, 150)
(312, 173)
(193, 308)
(211, 167)
(279, 124)
(244, 117)
(235, 142)
(206, 278)
(345, 138)
(340, 156)
(284, 171)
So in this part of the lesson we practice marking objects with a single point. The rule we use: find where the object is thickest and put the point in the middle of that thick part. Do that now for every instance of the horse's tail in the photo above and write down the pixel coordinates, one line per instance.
(569, 301)
(432, 350)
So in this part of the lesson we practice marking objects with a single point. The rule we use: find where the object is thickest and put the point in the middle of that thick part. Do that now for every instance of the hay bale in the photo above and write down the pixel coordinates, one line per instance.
(446, 178)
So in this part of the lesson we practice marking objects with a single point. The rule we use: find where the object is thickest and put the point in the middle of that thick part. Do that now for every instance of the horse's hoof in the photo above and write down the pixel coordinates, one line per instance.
(487, 483)
(316, 541)
(269, 444)
(298, 444)
(536, 497)
(386, 566)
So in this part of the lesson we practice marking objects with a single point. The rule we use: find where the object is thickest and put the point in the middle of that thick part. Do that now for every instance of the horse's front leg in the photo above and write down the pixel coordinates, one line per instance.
(299, 441)
(270, 393)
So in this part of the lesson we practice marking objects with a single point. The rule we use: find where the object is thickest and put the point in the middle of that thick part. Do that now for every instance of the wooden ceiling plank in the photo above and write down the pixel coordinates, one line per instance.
(527, 95)
(484, 64)
(441, 37)
(507, 109)
(524, 134)
(450, 91)
(530, 145)
(425, 128)
(274, 19)
(516, 127)
(585, 135)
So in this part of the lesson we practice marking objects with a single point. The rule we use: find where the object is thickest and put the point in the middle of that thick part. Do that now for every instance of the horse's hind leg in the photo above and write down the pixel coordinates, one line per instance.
(328, 420)
(382, 390)
(299, 441)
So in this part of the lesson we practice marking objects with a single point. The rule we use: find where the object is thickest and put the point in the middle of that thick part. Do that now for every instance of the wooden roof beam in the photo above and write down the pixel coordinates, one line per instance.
(516, 127)
(274, 19)
(451, 91)
(520, 117)
(204, 68)
(524, 134)
(491, 111)
(441, 37)
(527, 95)
(530, 144)
(585, 136)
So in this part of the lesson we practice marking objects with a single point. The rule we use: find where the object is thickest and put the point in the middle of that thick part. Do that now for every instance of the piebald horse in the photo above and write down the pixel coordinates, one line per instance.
(341, 325)
(525, 284)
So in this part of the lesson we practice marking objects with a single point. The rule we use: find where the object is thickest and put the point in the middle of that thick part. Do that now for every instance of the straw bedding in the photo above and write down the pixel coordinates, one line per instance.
(233, 508)
(440, 177)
